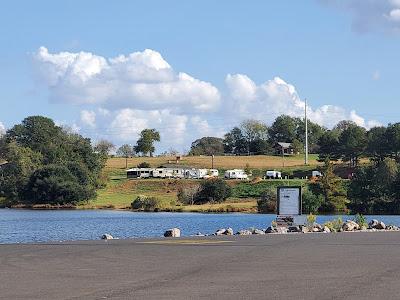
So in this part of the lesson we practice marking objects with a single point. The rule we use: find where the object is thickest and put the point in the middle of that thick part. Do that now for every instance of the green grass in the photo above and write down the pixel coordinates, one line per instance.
(254, 190)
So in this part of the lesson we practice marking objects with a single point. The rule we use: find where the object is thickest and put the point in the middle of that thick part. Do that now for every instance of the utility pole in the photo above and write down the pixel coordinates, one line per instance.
(306, 133)
(212, 161)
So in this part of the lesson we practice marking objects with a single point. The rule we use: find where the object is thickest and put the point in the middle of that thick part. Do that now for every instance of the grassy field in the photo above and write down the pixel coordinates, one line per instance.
(220, 162)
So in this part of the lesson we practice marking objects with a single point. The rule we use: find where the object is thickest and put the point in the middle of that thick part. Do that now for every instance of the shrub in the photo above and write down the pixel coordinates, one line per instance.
(188, 195)
(213, 190)
(267, 202)
(143, 165)
(311, 220)
(312, 201)
(337, 224)
(146, 203)
(360, 220)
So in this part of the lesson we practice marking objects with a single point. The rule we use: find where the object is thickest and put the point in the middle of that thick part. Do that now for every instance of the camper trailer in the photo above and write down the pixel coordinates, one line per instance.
(139, 173)
(235, 174)
(212, 173)
(273, 175)
(195, 173)
(316, 173)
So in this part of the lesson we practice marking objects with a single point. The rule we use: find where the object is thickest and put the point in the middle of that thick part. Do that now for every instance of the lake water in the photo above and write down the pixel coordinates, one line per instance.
(22, 226)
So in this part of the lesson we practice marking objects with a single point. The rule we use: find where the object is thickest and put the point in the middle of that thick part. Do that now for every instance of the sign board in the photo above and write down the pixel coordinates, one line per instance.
(289, 200)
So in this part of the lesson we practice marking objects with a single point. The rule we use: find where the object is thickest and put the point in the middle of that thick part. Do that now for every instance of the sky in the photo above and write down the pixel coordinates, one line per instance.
(108, 69)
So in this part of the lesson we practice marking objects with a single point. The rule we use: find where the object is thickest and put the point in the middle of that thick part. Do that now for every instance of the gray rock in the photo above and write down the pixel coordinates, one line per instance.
(281, 230)
(375, 224)
(173, 232)
(350, 225)
(220, 231)
(305, 229)
(326, 229)
(244, 232)
(392, 227)
(294, 229)
(107, 236)
(258, 231)
(270, 229)
(229, 231)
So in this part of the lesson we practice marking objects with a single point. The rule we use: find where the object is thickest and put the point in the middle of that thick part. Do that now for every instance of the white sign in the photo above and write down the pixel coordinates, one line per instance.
(289, 201)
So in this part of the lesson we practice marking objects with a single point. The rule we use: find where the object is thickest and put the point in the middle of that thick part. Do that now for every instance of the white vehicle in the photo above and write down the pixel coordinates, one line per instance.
(273, 175)
(235, 174)
(139, 173)
(316, 173)
(212, 173)
(196, 173)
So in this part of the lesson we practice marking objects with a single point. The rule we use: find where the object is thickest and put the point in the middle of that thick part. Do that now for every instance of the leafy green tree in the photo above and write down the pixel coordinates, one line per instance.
(55, 184)
(207, 146)
(213, 190)
(328, 146)
(125, 151)
(377, 145)
(315, 132)
(267, 202)
(145, 143)
(393, 139)
(144, 165)
(297, 146)
(352, 144)
(104, 147)
(235, 142)
(283, 129)
(311, 202)
(255, 134)
(333, 190)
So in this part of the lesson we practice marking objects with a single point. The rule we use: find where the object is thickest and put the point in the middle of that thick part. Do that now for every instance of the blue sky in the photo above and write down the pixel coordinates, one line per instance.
(332, 52)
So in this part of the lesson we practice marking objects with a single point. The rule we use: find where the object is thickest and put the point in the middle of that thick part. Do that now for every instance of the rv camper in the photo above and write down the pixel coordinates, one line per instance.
(235, 174)
(139, 173)
(273, 175)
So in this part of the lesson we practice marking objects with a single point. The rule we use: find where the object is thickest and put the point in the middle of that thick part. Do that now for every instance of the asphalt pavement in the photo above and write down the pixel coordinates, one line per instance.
(291, 266)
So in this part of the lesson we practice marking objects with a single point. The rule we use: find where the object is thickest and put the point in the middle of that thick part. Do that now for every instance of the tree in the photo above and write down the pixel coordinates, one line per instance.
(144, 165)
(315, 132)
(256, 135)
(104, 147)
(352, 144)
(234, 142)
(377, 143)
(393, 138)
(145, 143)
(125, 151)
(37, 143)
(328, 146)
(207, 146)
(297, 146)
(283, 129)
(213, 190)
(331, 187)
(343, 125)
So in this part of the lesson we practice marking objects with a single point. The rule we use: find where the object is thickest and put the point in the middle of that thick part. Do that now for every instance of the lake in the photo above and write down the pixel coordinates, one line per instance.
(24, 226)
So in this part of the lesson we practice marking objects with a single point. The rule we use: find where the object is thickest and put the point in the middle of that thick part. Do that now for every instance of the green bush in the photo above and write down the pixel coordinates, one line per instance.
(267, 202)
(311, 202)
(145, 203)
(143, 165)
(360, 220)
(213, 190)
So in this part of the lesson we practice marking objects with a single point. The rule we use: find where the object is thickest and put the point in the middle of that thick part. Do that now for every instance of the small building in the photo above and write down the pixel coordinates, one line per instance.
(282, 148)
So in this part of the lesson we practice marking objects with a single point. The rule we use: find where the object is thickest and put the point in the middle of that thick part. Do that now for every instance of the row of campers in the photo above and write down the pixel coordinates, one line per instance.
(171, 173)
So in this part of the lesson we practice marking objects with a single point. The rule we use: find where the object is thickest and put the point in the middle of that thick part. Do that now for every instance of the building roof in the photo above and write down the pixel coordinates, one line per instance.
(284, 145)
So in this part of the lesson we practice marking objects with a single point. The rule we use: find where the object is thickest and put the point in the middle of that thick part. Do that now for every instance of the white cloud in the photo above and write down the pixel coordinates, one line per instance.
(2, 129)
(370, 15)
(143, 80)
(276, 97)
(88, 118)
(123, 95)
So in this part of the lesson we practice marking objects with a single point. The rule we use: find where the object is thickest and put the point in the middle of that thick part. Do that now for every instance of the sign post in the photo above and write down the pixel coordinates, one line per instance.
(289, 206)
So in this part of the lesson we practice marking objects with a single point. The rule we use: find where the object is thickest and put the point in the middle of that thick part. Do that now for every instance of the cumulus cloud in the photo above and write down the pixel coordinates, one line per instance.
(121, 96)
(2, 129)
(143, 80)
(276, 97)
(88, 118)
(370, 15)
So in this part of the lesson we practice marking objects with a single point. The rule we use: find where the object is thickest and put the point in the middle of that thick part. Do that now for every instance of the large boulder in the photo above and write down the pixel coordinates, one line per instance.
(107, 236)
(350, 225)
(270, 229)
(326, 229)
(281, 230)
(294, 229)
(173, 232)
(223, 231)
(244, 232)
(392, 228)
(258, 231)
(375, 224)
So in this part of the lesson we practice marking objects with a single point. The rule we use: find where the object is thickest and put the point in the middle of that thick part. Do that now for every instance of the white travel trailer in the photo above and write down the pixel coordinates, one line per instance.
(235, 174)
(160, 173)
(196, 173)
(273, 175)
(212, 173)
(139, 173)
